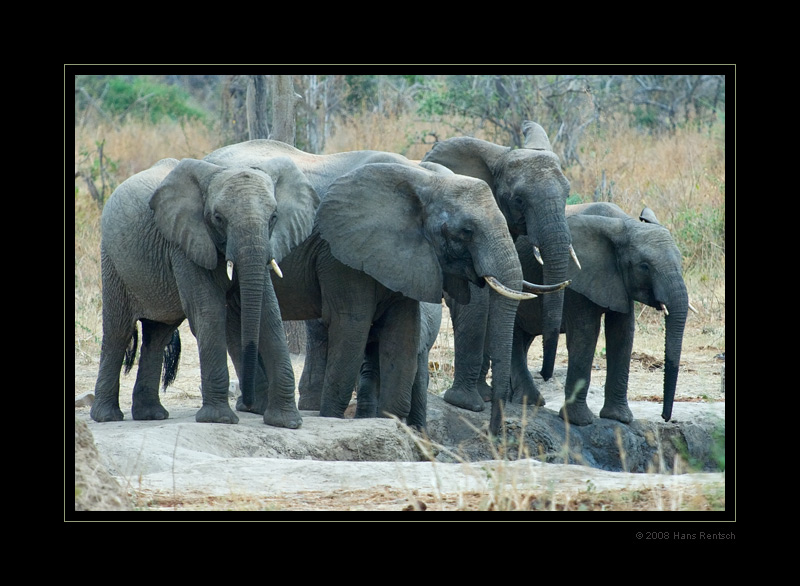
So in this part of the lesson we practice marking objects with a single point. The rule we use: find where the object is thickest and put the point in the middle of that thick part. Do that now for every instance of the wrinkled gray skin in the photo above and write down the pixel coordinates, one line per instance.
(169, 235)
(369, 383)
(623, 260)
(391, 235)
(531, 191)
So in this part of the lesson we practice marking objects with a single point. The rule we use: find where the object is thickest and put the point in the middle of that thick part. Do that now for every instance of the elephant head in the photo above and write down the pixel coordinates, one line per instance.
(625, 261)
(420, 232)
(243, 218)
(531, 191)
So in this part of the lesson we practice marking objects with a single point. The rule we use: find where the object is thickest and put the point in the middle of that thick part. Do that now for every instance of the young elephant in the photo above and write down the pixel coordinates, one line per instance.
(191, 239)
(624, 260)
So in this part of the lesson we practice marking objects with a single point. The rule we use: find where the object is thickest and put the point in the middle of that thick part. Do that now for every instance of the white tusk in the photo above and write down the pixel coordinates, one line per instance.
(230, 270)
(506, 292)
(276, 268)
(574, 256)
(693, 309)
(664, 307)
(538, 255)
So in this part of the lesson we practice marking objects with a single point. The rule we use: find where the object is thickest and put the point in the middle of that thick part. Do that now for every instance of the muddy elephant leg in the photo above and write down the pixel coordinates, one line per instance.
(469, 334)
(146, 404)
(369, 383)
(523, 387)
(418, 415)
(620, 328)
(347, 340)
(582, 329)
(313, 378)
(398, 347)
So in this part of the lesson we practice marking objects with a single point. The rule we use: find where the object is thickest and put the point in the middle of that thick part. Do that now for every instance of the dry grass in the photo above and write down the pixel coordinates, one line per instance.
(666, 173)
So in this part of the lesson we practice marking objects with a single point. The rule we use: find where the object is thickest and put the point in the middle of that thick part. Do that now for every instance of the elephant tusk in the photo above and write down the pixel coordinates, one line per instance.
(506, 292)
(230, 270)
(276, 268)
(538, 255)
(664, 307)
(534, 288)
(574, 256)
(692, 308)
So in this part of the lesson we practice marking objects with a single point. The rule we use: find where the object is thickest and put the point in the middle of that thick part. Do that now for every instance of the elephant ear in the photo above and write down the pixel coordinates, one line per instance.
(178, 205)
(649, 216)
(535, 137)
(468, 156)
(597, 241)
(297, 203)
(372, 218)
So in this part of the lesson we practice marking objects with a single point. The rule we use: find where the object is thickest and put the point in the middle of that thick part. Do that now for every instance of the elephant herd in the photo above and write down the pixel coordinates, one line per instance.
(364, 246)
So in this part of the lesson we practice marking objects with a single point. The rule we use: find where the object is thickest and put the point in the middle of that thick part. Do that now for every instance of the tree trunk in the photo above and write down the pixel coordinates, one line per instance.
(257, 107)
(284, 103)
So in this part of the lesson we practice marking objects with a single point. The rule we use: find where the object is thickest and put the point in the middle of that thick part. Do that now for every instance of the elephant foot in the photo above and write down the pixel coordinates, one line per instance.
(259, 407)
(309, 401)
(621, 413)
(103, 412)
(216, 414)
(366, 411)
(149, 412)
(288, 417)
(531, 397)
(576, 414)
(464, 399)
(485, 390)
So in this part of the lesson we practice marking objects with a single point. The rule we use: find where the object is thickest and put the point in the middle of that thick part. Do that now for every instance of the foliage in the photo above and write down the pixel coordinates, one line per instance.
(138, 98)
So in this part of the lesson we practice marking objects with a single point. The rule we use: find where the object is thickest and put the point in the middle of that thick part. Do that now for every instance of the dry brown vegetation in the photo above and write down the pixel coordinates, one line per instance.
(670, 174)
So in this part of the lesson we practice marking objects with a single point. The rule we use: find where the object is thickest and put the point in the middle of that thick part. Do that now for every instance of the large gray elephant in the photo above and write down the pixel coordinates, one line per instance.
(195, 240)
(389, 233)
(531, 191)
(624, 260)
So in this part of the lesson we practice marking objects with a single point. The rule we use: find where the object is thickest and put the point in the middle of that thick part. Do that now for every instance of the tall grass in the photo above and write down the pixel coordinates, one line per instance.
(680, 176)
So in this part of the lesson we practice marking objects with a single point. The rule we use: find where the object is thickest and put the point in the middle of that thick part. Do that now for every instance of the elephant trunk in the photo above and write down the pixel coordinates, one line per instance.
(502, 263)
(553, 237)
(677, 305)
(251, 272)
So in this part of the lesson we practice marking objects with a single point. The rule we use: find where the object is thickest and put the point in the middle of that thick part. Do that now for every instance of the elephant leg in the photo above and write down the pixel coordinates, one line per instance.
(281, 409)
(106, 390)
(582, 329)
(146, 404)
(484, 388)
(418, 415)
(347, 341)
(620, 328)
(369, 383)
(119, 329)
(469, 333)
(313, 378)
(207, 319)
(398, 347)
(523, 387)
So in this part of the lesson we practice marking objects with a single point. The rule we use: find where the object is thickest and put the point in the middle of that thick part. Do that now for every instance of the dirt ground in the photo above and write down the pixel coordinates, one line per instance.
(700, 380)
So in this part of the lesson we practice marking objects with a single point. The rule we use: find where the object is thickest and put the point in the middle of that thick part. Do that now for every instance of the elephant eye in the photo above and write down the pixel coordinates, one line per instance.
(272, 221)
(644, 267)
(218, 219)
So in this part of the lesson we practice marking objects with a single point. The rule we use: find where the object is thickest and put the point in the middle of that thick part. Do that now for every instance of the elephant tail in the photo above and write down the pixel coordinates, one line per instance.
(130, 352)
(172, 354)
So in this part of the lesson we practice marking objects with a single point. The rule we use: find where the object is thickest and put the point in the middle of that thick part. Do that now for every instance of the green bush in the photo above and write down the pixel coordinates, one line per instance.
(141, 98)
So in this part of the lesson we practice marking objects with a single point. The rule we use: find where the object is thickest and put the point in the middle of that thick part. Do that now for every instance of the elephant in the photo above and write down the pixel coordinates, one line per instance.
(531, 191)
(388, 234)
(369, 382)
(624, 260)
(194, 240)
